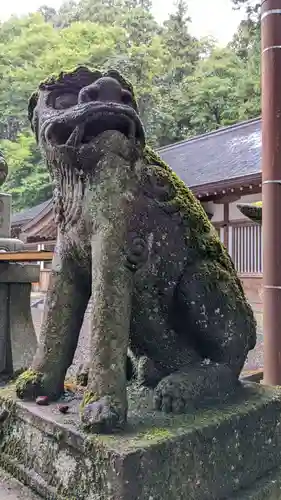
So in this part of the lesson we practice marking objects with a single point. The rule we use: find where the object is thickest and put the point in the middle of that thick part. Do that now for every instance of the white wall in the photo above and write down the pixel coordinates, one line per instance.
(215, 209)
(234, 213)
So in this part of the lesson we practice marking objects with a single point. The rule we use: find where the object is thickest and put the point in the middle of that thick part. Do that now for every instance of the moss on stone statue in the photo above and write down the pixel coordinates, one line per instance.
(252, 210)
(88, 398)
(198, 227)
(61, 77)
(191, 272)
(28, 383)
(200, 234)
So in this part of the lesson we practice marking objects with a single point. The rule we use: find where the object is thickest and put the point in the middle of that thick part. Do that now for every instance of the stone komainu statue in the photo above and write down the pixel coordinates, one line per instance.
(132, 236)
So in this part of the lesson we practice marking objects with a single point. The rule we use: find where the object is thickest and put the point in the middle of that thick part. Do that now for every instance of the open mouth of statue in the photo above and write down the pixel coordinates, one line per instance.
(78, 135)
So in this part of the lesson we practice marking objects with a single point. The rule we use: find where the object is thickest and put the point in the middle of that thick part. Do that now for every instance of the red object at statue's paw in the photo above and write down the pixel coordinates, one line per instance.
(63, 408)
(42, 400)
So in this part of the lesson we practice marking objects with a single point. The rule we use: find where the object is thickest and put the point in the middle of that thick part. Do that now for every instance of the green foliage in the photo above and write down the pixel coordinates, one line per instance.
(28, 180)
(184, 86)
(251, 7)
(217, 93)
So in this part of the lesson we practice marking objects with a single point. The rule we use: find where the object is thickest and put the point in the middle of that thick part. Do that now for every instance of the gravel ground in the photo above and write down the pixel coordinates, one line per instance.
(11, 489)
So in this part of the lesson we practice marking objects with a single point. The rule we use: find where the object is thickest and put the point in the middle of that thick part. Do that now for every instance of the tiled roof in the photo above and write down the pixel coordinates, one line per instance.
(29, 213)
(225, 154)
(228, 153)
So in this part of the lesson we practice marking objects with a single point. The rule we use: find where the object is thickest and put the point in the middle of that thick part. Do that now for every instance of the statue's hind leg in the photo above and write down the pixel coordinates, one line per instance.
(215, 318)
(66, 302)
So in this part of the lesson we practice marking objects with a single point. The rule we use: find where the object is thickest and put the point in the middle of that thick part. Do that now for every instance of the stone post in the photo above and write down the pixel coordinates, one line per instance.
(17, 335)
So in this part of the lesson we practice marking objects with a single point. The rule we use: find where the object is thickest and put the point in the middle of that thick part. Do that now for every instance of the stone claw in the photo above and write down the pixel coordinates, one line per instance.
(169, 396)
(203, 382)
(32, 384)
(147, 373)
(83, 375)
(102, 416)
(29, 385)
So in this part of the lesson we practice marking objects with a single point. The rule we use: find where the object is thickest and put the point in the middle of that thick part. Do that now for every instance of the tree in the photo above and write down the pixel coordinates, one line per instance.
(251, 7)
(28, 180)
(246, 39)
(132, 15)
(246, 44)
(183, 49)
(39, 50)
(49, 14)
(214, 93)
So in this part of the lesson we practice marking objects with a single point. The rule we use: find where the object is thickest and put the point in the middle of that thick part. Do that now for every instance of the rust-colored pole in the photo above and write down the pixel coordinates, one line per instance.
(271, 187)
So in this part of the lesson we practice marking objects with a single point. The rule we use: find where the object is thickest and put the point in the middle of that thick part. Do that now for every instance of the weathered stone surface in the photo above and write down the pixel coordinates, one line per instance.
(133, 236)
(6, 364)
(18, 340)
(11, 489)
(5, 213)
(17, 335)
(14, 272)
(207, 455)
(3, 169)
(22, 332)
(267, 488)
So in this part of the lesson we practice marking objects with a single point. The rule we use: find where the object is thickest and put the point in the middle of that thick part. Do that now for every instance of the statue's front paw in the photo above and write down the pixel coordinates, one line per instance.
(29, 385)
(102, 416)
(136, 251)
(172, 394)
(202, 383)
(147, 373)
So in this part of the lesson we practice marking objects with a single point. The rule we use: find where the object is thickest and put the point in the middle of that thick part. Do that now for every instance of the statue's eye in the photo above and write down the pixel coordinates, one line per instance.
(64, 101)
(127, 97)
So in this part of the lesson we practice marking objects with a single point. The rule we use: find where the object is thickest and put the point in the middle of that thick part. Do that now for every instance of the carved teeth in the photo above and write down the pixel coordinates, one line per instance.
(76, 136)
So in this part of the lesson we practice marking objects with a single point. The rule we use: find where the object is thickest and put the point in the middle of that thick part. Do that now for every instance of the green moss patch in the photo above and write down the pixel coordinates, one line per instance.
(27, 384)
(199, 231)
(252, 210)
(89, 397)
(62, 77)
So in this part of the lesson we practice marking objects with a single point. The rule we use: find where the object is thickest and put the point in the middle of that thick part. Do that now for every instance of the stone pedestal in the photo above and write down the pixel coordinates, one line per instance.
(231, 451)
(5, 215)
(17, 334)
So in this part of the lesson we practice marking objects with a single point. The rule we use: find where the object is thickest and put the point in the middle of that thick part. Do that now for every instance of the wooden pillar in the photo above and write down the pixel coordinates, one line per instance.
(226, 225)
(271, 189)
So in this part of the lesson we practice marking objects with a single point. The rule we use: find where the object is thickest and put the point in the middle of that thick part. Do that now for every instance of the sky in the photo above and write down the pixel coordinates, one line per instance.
(212, 18)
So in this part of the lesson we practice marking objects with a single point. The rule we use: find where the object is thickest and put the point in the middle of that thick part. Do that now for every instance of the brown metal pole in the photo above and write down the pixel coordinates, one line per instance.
(271, 188)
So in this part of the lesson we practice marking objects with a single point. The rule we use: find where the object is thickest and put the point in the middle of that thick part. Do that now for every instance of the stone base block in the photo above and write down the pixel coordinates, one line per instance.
(16, 273)
(18, 340)
(211, 454)
(266, 488)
